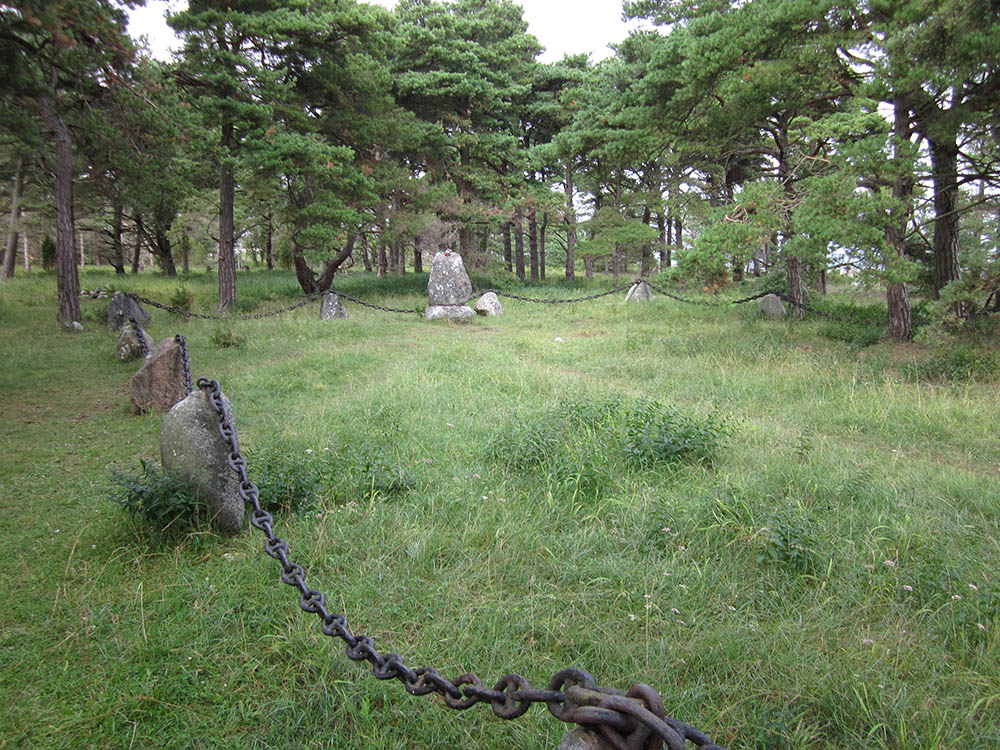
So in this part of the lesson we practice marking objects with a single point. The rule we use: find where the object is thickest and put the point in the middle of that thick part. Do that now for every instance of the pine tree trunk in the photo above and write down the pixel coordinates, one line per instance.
(794, 275)
(117, 246)
(136, 252)
(418, 258)
(186, 252)
(10, 251)
(268, 242)
(533, 242)
(588, 266)
(678, 233)
(897, 297)
(227, 239)
(518, 244)
(647, 251)
(570, 225)
(541, 244)
(382, 260)
(366, 256)
(508, 254)
(67, 275)
(944, 163)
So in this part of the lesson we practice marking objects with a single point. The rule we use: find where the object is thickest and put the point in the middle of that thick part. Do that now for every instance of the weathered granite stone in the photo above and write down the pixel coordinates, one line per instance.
(129, 346)
(159, 383)
(583, 739)
(640, 292)
(451, 312)
(122, 309)
(191, 446)
(771, 307)
(448, 283)
(73, 326)
(489, 304)
(331, 307)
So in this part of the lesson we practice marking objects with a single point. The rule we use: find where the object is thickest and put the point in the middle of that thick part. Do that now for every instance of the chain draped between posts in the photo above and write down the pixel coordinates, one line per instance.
(185, 364)
(143, 348)
(634, 720)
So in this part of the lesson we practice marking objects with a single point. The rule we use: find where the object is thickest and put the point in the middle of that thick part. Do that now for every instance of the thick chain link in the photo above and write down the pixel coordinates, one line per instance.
(373, 306)
(206, 316)
(630, 721)
(143, 348)
(616, 290)
(185, 363)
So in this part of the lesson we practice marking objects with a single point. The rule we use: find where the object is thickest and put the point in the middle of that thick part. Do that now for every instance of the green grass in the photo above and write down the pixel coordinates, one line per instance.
(827, 579)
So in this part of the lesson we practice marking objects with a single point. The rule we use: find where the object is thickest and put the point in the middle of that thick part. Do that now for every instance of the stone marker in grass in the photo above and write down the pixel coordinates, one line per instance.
(122, 309)
(191, 447)
(489, 304)
(771, 307)
(448, 288)
(640, 292)
(159, 383)
(331, 307)
(130, 343)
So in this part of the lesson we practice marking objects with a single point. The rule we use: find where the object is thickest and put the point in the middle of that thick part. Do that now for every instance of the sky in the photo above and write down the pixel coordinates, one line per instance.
(561, 26)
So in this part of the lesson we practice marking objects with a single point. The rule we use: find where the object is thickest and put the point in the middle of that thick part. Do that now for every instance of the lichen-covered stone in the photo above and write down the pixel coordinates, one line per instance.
(159, 383)
(771, 307)
(583, 739)
(122, 309)
(332, 307)
(191, 447)
(449, 283)
(489, 304)
(129, 346)
(449, 312)
(640, 292)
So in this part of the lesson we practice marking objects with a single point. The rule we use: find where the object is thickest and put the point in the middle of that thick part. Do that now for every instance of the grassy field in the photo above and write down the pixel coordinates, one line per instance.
(809, 559)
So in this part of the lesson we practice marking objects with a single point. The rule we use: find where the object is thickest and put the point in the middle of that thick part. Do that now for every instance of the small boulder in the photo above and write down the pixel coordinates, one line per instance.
(331, 307)
(583, 739)
(489, 304)
(450, 312)
(122, 309)
(131, 344)
(73, 326)
(771, 307)
(159, 383)
(448, 284)
(640, 292)
(191, 447)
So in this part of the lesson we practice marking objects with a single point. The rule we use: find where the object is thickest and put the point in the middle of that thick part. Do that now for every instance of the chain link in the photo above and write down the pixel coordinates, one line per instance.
(634, 720)
(143, 348)
(616, 290)
(206, 316)
(373, 306)
(185, 363)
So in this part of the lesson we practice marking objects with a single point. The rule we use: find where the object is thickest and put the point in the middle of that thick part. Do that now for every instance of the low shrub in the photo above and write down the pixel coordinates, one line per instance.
(956, 364)
(288, 481)
(164, 501)
(655, 433)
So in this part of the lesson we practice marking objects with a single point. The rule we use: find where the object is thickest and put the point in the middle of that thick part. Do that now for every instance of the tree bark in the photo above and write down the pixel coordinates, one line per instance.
(897, 297)
(333, 265)
(382, 262)
(794, 276)
(541, 245)
(570, 225)
(518, 244)
(533, 241)
(647, 252)
(418, 258)
(944, 164)
(117, 259)
(508, 255)
(268, 242)
(67, 275)
(10, 251)
(227, 239)
(366, 257)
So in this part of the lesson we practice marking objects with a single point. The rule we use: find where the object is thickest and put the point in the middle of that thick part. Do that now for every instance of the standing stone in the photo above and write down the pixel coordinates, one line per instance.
(489, 304)
(640, 292)
(191, 447)
(331, 307)
(122, 309)
(771, 307)
(159, 384)
(448, 283)
(450, 312)
(130, 343)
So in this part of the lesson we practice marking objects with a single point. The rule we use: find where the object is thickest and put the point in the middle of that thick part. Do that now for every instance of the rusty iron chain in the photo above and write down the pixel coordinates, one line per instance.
(206, 316)
(185, 363)
(373, 306)
(143, 348)
(616, 290)
(629, 721)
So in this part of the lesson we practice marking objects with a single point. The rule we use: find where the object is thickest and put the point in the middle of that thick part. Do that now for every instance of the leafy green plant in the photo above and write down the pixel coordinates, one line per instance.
(380, 473)
(163, 500)
(655, 433)
(288, 480)
(790, 544)
(181, 299)
(48, 253)
(227, 338)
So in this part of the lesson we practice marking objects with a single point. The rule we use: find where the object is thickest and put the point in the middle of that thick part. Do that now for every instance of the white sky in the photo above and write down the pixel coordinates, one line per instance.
(562, 26)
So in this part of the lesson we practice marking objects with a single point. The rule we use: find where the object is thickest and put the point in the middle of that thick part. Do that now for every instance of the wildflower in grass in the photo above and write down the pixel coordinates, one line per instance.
(907, 587)
(974, 587)
(981, 626)
(889, 563)
(956, 597)
(867, 642)
(675, 610)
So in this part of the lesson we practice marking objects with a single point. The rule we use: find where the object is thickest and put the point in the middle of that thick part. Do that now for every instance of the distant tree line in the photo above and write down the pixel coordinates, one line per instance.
(792, 138)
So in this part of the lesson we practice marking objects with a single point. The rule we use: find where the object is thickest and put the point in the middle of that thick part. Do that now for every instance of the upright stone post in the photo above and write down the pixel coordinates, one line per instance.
(159, 383)
(331, 307)
(122, 309)
(640, 292)
(771, 307)
(448, 288)
(191, 447)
